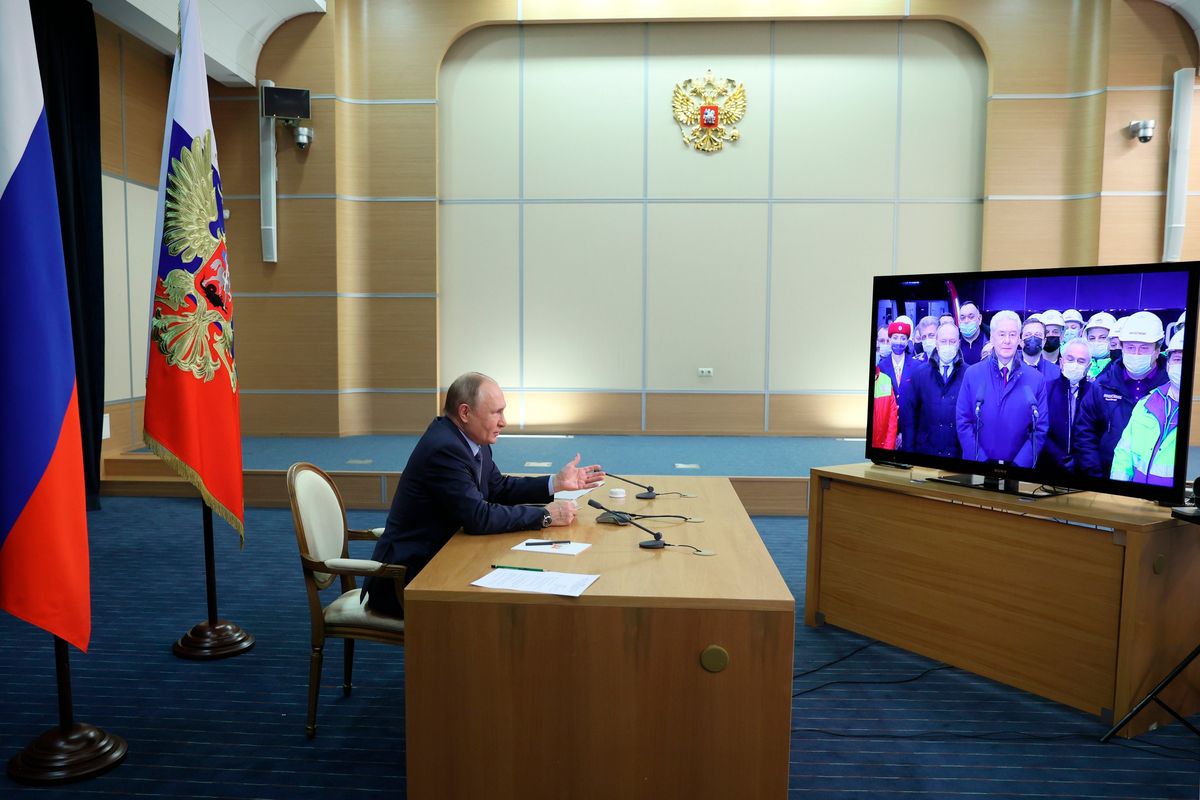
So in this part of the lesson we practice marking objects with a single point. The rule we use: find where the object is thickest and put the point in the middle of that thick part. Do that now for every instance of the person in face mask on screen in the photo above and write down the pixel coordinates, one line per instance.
(926, 338)
(1054, 329)
(1105, 412)
(1033, 338)
(1097, 339)
(883, 347)
(1062, 401)
(1072, 325)
(899, 364)
(927, 418)
(1145, 453)
(972, 336)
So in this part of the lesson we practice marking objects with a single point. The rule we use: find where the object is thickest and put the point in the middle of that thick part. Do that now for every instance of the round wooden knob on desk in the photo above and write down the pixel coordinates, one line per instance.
(714, 658)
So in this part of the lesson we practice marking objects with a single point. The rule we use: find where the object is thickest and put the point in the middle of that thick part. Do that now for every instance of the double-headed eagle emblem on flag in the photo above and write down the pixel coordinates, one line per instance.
(193, 310)
(707, 109)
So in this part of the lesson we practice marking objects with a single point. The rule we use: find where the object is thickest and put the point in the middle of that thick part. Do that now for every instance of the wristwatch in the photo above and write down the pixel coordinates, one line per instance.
(547, 520)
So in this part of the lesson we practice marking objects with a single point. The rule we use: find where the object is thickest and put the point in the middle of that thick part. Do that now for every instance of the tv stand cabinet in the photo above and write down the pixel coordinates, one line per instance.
(1086, 599)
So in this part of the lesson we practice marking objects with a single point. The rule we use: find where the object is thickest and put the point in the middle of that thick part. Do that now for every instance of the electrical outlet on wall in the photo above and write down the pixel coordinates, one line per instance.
(704, 372)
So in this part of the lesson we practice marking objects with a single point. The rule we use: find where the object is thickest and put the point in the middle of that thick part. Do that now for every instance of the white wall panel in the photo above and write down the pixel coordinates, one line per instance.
(944, 119)
(583, 296)
(937, 237)
(117, 383)
(840, 93)
(707, 296)
(584, 110)
(824, 257)
(479, 313)
(738, 52)
(142, 206)
(477, 115)
(835, 109)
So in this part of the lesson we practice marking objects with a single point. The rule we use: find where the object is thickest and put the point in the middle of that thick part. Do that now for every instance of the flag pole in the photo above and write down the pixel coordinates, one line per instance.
(213, 638)
(72, 751)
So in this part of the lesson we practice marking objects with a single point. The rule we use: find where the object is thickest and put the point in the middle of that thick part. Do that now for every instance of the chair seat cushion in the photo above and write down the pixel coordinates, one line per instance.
(347, 610)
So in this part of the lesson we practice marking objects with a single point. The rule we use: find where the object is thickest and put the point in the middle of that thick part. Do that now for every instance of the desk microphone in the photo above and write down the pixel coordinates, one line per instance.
(656, 543)
(649, 494)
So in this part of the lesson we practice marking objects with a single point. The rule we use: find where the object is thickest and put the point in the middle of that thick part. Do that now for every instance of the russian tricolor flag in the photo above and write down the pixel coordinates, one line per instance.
(44, 575)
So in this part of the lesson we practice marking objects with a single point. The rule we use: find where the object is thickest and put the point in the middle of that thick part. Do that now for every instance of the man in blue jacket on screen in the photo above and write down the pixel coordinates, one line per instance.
(1001, 411)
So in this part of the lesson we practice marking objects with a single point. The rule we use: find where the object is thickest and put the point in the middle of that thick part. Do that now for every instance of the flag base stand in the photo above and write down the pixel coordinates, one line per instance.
(72, 751)
(206, 640)
(213, 638)
(63, 755)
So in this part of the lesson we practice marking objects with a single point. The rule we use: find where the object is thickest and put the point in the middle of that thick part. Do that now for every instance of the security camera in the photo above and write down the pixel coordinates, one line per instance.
(304, 137)
(1143, 129)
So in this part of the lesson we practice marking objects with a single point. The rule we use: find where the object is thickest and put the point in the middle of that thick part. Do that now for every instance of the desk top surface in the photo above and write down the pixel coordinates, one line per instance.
(741, 575)
(1090, 508)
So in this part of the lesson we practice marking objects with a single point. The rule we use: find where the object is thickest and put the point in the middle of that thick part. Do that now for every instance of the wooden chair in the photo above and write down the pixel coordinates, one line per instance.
(323, 538)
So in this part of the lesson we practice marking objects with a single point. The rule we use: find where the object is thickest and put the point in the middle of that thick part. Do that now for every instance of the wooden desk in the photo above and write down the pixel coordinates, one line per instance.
(1028, 593)
(511, 695)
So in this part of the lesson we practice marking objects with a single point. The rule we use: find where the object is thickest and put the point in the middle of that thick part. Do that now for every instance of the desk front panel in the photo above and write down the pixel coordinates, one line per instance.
(1031, 603)
(513, 695)
(521, 700)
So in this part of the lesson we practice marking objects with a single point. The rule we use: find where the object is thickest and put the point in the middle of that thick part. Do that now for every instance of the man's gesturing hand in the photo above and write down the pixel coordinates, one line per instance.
(573, 477)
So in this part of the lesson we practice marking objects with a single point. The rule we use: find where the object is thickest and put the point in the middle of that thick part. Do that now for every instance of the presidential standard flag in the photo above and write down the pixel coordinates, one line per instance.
(191, 418)
(44, 577)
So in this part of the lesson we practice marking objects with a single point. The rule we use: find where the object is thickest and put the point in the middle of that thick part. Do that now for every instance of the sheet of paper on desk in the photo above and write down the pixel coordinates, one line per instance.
(567, 584)
(573, 495)
(568, 549)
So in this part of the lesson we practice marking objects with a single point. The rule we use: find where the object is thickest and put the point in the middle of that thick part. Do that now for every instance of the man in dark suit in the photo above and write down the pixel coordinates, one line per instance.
(1063, 396)
(451, 482)
(927, 418)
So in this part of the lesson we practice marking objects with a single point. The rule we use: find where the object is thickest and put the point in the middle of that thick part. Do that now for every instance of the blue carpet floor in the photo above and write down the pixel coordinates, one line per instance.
(879, 723)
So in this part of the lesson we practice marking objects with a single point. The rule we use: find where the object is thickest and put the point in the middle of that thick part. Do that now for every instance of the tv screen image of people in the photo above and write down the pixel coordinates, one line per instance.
(1071, 378)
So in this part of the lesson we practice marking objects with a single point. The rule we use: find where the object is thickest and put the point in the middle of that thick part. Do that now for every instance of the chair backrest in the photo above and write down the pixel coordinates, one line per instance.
(318, 514)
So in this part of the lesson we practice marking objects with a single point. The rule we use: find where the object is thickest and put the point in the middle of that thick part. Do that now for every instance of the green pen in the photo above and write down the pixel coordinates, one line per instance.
(527, 569)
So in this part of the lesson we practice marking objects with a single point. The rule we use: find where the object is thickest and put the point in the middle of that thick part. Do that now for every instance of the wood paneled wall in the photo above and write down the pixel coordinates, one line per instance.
(341, 335)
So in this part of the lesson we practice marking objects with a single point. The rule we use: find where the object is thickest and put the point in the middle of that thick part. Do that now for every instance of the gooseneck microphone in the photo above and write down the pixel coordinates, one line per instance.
(656, 543)
(649, 494)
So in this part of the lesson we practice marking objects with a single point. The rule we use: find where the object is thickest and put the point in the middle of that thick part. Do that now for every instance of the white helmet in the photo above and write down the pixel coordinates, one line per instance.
(1102, 319)
(1142, 326)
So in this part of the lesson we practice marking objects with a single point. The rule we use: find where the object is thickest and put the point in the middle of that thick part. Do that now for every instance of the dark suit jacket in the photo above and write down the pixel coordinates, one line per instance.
(442, 489)
(1059, 450)
(888, 368)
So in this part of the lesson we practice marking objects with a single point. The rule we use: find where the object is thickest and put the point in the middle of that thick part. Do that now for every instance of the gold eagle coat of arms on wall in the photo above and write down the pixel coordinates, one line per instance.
(707, 109)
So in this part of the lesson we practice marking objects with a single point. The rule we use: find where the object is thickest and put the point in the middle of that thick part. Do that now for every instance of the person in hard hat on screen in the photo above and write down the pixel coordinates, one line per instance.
(1145, 452)
(1106, 410)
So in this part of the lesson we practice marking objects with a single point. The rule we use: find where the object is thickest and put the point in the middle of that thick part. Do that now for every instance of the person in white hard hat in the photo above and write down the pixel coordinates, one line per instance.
(1072, 325)
(1097, 338)
(1053, 321)
(1145, 453)
(1105, 412)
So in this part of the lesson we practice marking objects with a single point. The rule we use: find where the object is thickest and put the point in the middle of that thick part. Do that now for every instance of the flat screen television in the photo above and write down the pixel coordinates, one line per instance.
(1038, 381)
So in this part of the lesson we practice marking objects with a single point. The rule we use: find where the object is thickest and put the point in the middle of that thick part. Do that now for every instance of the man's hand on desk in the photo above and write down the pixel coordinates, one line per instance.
(573, 477)
(562, 512)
